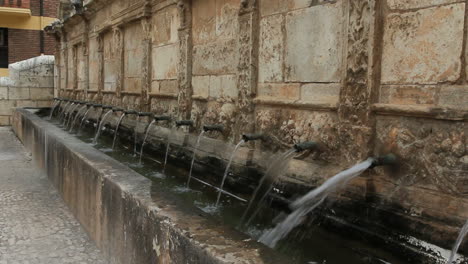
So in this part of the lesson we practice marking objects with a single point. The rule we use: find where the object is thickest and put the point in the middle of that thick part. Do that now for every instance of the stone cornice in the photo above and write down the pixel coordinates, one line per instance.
(443, 113)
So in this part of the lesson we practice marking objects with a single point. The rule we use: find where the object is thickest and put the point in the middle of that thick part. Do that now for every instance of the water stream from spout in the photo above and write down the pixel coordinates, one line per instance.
(76, 117)
(168, 147)
(227, 171)
(146, 137)
(53, 109)
(70, 116)
(117, 130)
(101, 125)
(277, 166)
(457, 244)
(62, 111)
(65, 112)
(310, 201)
(84, 118)
(135, 136)
(193, 158)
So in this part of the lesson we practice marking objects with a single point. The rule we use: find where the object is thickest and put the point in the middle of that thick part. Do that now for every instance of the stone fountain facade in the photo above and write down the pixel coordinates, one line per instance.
(362, 77)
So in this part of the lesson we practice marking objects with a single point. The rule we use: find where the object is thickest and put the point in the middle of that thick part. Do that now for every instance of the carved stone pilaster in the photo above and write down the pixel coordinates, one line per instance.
(146, 62)
(65, 63)
(247, 66)
(75, 67)
(118, 52)
(185, 60)
(356, 127)
(100, 42)
(85, 45)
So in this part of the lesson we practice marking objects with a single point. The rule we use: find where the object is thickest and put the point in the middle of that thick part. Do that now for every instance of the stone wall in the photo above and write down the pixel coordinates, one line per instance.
(362, 77)
(30, 84)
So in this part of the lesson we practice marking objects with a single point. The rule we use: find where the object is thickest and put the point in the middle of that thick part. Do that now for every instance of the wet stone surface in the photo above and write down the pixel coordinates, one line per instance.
(35, 224)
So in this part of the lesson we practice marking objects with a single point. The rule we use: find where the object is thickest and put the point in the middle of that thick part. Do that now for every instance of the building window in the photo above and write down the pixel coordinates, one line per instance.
(3, 48)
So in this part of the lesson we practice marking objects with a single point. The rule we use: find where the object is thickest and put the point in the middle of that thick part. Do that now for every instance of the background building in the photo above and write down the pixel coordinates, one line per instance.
(21, 30)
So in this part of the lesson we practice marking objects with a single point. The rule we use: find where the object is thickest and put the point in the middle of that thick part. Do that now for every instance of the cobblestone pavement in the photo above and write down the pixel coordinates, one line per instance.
(35, 225)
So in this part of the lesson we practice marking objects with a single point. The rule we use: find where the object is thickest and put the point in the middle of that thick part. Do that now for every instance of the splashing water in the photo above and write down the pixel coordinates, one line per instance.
(98, 121)
(276, 168)
(53, 109)
(227, 170)
(83, 119)
(101, 125)
(73, 123)
(193, 158)
(135, 136)
(69, 113)
(62, 111)
(117, 129)
(70, 116)
(144, 140)
(65, 111)
(310, 201)
(168, 147)
(457, 244)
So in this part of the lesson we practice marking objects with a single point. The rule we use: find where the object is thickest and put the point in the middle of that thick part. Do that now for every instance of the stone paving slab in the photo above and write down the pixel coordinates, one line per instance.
(35, 225)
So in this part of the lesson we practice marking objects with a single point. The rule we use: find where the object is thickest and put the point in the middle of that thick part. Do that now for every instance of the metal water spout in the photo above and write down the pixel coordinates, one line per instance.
(252, 137)
(218, 128)
(117, 109)
(104, 107)
(385, 160)
(145, 114)
(158, 118)
(97, 105)
(131, 112)
(308, 145)
(181, 123)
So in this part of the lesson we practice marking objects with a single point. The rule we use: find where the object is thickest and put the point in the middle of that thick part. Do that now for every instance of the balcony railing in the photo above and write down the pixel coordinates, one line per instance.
(15, 3)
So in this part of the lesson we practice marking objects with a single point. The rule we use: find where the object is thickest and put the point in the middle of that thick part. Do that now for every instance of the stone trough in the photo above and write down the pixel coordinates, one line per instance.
(115, 206)
(131, 223)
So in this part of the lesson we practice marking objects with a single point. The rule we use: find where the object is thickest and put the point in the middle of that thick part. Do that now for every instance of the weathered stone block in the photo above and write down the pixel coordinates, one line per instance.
(26, 103)
(111, 65)
(165, 62)
(270, 64)
(214, 20)
(3, 93)
(423, 46)
(410, 4)
(269, 7)
(155, 86)
(42, 93)
(229, 86)
(169, 87)
(133, 57)
(320, 93)
(454, 96)
(167, 24)
(44, 103)
(6, 107)
(201, 85)
(215, 58)
(132, 84)
(408, 94)
(39, 70)
(314, 44)
(5, 121)
(94, 67)
(15, 93)
(215, 88)
(203, 21)
(466, 57)
(279, 91)
(133, 62)
(227, 18)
